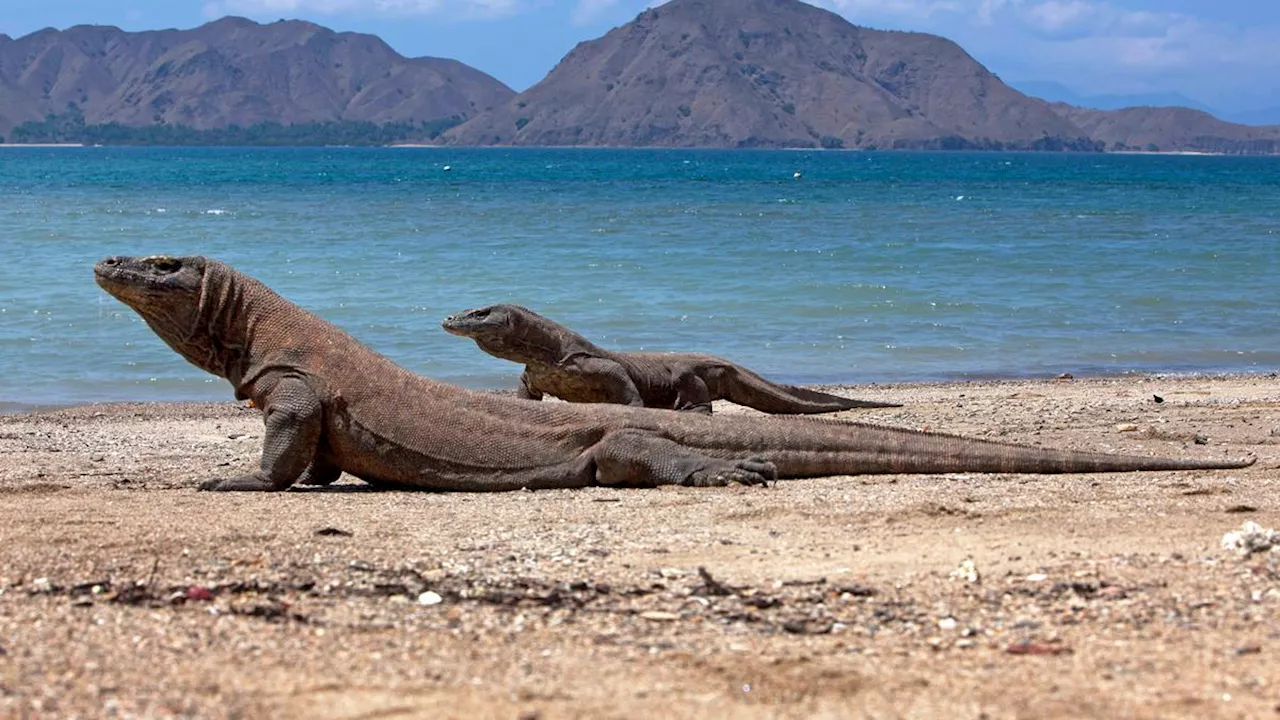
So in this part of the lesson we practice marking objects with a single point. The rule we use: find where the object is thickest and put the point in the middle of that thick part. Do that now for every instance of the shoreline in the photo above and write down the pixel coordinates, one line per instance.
(42, 145)
(437, 146)
(10, 408)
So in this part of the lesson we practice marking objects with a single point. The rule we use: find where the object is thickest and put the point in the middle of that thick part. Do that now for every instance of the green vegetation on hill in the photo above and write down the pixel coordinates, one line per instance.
(70, 127)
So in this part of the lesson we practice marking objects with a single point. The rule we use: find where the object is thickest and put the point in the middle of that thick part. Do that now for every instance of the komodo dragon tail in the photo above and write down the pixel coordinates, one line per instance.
(816, 448)
(744, 387)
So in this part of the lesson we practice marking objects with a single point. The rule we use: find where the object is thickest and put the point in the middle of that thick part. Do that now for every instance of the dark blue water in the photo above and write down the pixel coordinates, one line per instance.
(867, 267)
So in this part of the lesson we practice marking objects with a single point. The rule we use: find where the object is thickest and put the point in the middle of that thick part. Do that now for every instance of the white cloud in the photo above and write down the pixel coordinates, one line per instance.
(1054, 17)
(1094, 45)
(587, 11)
(864, 11)
(456, 8)
(1068, 19)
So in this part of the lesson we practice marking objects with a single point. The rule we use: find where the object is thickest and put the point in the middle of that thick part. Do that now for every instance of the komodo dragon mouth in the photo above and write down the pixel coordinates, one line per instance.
(125, 277)
(470, 323)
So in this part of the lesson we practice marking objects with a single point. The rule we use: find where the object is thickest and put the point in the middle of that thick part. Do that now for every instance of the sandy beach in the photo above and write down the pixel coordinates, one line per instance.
(124, 591)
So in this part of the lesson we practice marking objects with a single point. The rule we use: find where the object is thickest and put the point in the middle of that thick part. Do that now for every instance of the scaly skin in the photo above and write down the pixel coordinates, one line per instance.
(332, 405)
(560, 362)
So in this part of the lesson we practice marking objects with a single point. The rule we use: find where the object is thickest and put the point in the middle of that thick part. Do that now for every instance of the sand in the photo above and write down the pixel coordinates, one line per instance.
(124, 592)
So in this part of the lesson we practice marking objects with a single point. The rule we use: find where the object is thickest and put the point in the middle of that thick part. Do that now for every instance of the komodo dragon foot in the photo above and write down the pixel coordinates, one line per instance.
(752, 471)
(245, 483)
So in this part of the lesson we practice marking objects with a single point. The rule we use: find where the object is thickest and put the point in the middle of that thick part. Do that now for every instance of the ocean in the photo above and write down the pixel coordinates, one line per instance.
(810, 267)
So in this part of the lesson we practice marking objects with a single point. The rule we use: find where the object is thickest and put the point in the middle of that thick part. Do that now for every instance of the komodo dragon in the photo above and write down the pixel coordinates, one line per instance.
(331, 405)
(560, 362)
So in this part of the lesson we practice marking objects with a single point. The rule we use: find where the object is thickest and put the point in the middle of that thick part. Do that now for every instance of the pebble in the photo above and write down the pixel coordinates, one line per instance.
(659, 616)
(968, 572)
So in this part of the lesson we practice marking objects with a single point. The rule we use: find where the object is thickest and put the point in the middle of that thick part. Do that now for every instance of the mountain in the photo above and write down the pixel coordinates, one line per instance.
(231, 71)
(1058, 93)
(1165, 128)
(767, 73)
(1259, 116)
(687, 73)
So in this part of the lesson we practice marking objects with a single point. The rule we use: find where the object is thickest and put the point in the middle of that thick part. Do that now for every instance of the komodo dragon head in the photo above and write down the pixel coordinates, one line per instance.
(510, 332)
(190, 302)
(488, 322)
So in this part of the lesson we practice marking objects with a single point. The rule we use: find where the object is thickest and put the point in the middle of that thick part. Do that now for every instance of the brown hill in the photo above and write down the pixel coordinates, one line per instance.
(774, 73)
(231, 71)
(1170, 128)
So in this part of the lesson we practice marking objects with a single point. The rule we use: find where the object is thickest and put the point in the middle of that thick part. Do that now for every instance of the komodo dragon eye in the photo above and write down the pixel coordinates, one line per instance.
(166, 264)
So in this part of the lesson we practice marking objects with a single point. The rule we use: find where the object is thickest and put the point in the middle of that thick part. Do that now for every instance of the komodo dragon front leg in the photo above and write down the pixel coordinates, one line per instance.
(528, 387)
(289, 443)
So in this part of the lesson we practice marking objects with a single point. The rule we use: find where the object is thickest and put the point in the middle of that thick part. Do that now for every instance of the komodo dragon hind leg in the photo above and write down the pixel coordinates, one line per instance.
(289, 443)
(636, 458)
(319, 472)
(692, 394)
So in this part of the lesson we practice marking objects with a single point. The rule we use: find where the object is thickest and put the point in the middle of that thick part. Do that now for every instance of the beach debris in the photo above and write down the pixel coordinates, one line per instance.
(1249, 539)
(333, 532)
(1157, 398)
(802, 627)
(193, 593)
(947, 623)
(967, 572)
(1126, 427)
(711, 586)
(1241, 509)
(447, 168)
(1207, 491)
(797, 175)
(1031, 647)
(430, 598)
(1066, 376)
(1037, 577)
(1201, 439)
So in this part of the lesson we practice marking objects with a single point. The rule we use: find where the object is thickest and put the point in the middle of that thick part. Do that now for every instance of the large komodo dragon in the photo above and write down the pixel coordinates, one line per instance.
(560, 362)
(333, 405)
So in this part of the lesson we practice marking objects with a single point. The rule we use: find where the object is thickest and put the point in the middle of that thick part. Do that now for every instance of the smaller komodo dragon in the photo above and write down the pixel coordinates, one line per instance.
(331, 405)
(558, 361)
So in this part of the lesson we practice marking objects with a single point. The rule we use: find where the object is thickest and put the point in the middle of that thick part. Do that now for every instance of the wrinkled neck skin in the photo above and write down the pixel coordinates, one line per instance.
(535, 339)
(219, 334)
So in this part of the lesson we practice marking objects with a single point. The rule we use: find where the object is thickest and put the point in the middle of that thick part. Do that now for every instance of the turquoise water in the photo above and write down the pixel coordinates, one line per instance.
(868, 267)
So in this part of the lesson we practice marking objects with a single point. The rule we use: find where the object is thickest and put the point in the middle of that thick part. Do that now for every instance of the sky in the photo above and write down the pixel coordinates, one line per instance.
(1223, 53)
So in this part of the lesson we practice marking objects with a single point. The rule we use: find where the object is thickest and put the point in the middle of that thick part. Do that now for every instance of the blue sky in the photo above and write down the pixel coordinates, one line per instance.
(1225, 53)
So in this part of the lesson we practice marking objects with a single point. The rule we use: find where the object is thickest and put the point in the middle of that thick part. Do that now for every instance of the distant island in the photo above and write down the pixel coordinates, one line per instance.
(688, 73)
